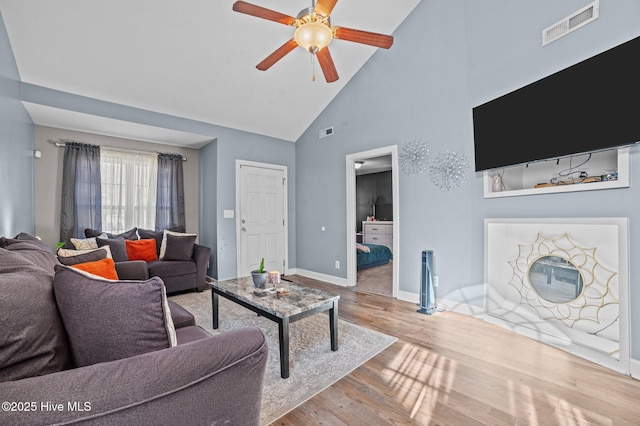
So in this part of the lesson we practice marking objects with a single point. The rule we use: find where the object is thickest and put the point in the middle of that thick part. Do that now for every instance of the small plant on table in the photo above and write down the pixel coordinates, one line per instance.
(259, 275)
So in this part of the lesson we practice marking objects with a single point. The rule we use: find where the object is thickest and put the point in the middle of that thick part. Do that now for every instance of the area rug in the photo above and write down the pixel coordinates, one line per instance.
(313, 366)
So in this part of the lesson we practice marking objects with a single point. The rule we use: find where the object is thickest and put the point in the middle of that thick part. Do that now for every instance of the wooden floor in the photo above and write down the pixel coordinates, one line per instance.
(453, 369)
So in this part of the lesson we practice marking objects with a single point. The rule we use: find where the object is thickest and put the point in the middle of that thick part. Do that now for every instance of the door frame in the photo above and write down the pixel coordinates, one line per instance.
(352, 272)
(285, 202)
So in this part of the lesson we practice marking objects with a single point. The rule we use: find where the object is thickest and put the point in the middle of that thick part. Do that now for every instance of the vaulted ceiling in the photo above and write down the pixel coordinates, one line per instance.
(192, 59)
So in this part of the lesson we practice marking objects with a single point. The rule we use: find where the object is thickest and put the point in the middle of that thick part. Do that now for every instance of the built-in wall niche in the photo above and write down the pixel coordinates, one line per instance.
(564, 282)
(582, 172)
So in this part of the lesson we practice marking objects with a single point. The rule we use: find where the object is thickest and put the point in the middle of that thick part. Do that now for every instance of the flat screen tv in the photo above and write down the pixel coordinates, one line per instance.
(591, 106)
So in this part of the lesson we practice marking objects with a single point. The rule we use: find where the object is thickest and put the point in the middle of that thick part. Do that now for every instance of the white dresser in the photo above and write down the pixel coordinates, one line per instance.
(380, 232)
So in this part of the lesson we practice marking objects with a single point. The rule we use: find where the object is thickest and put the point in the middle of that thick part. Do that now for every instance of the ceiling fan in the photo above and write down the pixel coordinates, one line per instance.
(313, 33)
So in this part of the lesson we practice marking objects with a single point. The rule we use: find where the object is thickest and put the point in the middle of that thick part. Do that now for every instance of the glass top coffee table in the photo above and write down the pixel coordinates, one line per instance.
(283, 309)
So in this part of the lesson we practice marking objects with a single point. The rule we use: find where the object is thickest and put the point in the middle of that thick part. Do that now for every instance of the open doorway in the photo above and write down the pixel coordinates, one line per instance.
(373, 221)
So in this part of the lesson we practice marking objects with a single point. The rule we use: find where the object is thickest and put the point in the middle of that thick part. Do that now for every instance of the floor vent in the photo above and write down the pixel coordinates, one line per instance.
(572, 22)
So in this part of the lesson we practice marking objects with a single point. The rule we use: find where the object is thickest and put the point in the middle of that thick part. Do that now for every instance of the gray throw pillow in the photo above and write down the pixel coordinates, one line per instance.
(117, 246)
(88, 256)
(32, 338)
(25, 236)
(37, 252)
(156, 235)
(179, 247)
(131, 234)
(109, 320)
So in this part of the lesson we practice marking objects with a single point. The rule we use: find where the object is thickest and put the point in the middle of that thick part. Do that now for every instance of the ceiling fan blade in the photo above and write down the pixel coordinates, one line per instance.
(277, 55)
(261, 12)
(324, 7)
(327, 65)
(364, 37)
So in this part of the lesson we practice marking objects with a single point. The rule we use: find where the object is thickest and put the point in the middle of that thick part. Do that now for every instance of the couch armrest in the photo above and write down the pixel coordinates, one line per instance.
(132, 270)
(216, 380)
(201, 258)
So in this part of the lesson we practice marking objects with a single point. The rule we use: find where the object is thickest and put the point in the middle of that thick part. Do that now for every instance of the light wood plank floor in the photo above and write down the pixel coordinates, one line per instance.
(453, 369)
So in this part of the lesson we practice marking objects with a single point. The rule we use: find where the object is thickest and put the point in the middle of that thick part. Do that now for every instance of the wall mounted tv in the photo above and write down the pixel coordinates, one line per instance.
(591, 106)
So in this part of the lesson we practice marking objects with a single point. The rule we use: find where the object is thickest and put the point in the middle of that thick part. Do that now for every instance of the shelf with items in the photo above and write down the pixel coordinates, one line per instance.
(582, 172)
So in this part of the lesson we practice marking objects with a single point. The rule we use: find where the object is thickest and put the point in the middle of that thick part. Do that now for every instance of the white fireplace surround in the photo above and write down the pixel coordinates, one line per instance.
(595, 325)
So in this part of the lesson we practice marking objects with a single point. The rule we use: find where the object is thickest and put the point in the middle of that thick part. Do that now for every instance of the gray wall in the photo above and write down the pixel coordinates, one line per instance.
(16, 148)
(218, 163)
(415, 89)
(376, 185)
(449, 56)
(48, 177)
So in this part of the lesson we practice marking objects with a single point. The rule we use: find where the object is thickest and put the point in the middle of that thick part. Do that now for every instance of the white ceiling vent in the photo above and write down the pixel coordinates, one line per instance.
(572, 22)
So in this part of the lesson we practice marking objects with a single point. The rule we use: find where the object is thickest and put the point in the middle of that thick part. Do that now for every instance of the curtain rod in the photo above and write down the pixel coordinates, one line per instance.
(60, 143)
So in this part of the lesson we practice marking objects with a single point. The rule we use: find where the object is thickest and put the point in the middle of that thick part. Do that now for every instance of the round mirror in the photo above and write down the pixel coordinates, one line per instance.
(555, 279)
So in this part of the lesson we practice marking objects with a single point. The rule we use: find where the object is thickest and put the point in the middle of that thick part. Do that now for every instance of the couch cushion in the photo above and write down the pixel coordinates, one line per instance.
(144, 249)
(4, 242)
(32, 338)
(131, 234)
(117, 246)
(133, 270)
(108, 320)
(104, 268)
(171, 268)
(180, 316)
(37, 252)
(67, 258)
(191, 334)
(156, 235)
(178, 247)
(25, 236)
(86, 243)
(163, 245)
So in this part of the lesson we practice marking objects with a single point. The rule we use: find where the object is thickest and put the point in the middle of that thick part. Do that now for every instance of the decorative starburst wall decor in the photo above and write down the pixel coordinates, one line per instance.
(414, 156)
(448, 169)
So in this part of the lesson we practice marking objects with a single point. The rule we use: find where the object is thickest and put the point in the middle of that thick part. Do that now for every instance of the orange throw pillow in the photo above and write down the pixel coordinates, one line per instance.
(105, 268)
(142, 249)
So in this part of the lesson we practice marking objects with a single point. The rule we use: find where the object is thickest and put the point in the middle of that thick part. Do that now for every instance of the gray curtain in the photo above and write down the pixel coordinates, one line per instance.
(81, 194)
(170, 193)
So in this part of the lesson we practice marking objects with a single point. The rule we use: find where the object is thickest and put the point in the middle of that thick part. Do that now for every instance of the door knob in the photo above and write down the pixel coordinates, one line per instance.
(244, 229)
(244, 221)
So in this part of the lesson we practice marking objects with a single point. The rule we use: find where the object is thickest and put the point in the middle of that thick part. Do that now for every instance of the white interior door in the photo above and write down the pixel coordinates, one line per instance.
(261, 218)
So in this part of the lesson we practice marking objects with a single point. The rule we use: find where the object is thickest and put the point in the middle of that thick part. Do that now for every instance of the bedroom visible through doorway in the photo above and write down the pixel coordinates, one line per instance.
(372, 220)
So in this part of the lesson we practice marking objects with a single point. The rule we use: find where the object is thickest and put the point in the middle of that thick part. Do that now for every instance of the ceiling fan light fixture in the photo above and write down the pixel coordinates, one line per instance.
(313, 36)
(313, 33)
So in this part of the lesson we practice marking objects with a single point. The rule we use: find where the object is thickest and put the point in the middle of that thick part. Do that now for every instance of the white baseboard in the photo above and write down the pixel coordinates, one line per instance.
(446, 304)
(318, 276)
(460, 307)
(408, 296)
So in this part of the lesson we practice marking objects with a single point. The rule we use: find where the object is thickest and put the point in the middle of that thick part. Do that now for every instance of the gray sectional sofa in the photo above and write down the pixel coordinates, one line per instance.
(75, 348)
(184, 267)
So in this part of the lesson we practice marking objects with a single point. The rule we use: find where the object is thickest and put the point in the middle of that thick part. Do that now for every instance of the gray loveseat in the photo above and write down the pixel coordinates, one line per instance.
(78, 349)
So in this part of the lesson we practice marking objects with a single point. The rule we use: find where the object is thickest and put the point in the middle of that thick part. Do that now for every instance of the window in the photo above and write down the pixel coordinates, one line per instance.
(129, 180)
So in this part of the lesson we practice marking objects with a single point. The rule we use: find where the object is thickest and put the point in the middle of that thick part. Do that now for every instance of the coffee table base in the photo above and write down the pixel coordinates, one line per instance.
(283, 324)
